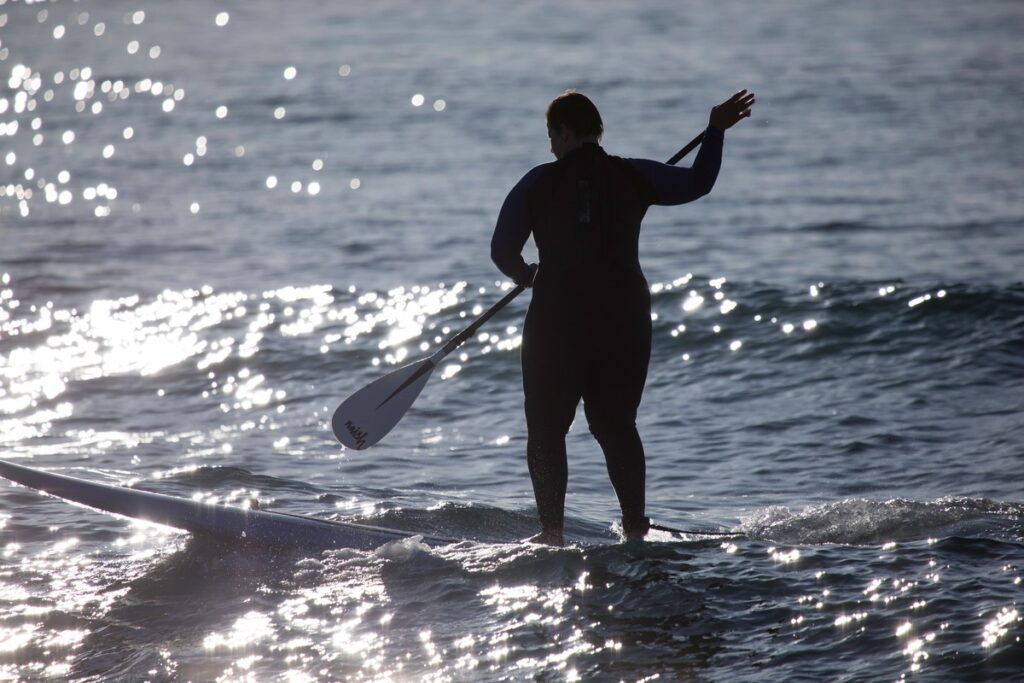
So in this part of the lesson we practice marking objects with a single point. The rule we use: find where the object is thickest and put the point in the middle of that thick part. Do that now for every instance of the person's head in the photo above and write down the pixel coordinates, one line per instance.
(572, 120)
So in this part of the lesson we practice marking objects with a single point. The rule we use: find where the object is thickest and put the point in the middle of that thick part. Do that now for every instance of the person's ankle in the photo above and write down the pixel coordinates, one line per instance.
(636, 530)
(549, 537)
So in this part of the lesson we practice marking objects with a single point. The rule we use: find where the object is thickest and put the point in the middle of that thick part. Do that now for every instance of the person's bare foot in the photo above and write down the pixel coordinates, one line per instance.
(548, 537)
(635, 535)
(637, 531)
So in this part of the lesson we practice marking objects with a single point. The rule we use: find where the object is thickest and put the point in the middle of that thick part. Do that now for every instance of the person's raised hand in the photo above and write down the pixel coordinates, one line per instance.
(729, 113)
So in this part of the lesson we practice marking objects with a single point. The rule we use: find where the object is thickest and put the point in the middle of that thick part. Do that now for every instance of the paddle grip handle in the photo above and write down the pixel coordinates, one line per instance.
(456, 341)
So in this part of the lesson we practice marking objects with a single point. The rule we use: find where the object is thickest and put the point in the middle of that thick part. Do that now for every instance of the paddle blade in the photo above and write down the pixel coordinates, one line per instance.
(365, 417)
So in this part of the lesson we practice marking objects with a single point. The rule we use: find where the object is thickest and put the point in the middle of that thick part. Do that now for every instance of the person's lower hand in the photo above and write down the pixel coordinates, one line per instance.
(528, 282)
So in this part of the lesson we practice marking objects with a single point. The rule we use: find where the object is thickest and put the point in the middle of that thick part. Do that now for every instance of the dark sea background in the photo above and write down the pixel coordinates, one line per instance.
(212, 234)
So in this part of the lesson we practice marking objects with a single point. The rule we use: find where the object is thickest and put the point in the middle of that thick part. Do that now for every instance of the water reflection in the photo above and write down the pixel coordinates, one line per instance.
(30, 98)
(208, 330)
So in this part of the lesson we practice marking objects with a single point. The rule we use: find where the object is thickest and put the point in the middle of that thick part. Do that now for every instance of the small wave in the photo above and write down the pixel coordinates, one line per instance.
(221, 476)
(842, 226)
(866, 522)
(837, 319)
(476, 522)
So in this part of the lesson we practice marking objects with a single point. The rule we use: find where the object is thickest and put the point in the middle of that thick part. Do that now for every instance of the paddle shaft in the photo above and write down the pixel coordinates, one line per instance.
(685, 150)
(456, 341)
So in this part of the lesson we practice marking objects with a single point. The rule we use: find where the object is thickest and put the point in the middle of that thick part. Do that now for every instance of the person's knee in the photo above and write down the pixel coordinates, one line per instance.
(611, 418)
(543, 426)
(549, 403)
(611, 427)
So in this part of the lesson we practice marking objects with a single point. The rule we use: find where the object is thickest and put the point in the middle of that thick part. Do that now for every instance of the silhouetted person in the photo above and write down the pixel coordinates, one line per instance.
(588, 330)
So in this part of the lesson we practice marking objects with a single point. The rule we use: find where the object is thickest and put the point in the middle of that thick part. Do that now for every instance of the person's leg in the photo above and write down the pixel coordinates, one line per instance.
(549, 471)
(551, 387)
(627, 469)
(613, 387)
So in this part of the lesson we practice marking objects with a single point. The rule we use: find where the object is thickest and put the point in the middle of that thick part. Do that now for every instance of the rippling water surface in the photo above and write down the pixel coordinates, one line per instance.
(219, 220)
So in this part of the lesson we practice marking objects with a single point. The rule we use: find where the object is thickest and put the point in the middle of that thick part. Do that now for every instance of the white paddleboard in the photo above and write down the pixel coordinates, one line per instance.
(261, 527)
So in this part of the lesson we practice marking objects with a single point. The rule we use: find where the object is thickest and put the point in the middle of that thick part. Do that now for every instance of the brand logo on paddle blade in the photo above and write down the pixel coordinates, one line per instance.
(357, 434)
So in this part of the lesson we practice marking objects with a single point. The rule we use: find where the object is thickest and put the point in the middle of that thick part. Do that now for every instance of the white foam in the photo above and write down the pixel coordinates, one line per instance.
(402, 549)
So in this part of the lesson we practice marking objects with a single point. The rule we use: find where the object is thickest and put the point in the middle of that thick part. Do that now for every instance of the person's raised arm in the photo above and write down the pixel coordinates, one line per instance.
(675, 185)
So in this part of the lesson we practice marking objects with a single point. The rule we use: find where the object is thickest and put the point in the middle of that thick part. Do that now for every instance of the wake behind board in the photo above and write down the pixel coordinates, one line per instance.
(260, 527)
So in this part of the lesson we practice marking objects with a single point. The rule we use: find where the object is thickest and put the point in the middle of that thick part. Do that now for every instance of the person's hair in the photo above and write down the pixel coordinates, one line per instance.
(577, 112)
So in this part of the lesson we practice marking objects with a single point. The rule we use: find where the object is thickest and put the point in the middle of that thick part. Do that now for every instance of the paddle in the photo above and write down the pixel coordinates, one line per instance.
(365, 417)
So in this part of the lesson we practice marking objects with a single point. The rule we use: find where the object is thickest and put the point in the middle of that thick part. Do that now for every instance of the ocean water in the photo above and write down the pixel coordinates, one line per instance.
(217, 220)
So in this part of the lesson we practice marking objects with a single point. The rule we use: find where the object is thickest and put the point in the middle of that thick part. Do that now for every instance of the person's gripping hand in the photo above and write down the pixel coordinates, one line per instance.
(526, 280)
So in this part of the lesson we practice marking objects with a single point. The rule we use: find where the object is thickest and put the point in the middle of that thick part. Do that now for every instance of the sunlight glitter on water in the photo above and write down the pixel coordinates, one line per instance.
(131, 337)
(247, 630)
(998, 626)
(94, 96)
(127, 336)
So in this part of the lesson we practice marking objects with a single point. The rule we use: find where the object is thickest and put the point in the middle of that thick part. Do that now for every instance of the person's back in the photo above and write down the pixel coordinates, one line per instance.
(586, 209)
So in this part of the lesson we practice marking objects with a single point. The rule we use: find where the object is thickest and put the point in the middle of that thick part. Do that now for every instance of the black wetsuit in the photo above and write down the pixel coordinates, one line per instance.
(588, 329)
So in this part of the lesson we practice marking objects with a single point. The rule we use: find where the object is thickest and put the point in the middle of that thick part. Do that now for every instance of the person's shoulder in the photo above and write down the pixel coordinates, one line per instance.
(530, 178)
(649, 168)
(640, 172)
(637, 162)
(643, 166)
(539, 170)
